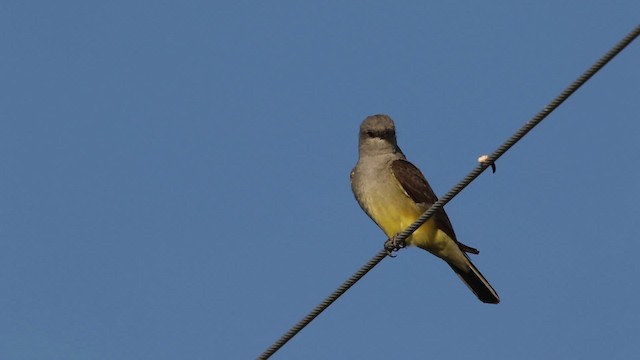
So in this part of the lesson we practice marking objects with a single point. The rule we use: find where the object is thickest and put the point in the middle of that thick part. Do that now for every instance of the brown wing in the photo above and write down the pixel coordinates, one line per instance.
(418, 189)
(413, 182)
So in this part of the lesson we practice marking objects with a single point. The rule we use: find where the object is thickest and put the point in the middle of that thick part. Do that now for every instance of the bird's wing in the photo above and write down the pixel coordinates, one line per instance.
(415, 185)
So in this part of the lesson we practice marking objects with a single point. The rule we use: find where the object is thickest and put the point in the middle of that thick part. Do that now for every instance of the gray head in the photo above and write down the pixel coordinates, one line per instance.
(378, 135)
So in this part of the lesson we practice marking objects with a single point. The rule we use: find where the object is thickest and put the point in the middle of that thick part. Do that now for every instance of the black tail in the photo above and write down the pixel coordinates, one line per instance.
(477, 283)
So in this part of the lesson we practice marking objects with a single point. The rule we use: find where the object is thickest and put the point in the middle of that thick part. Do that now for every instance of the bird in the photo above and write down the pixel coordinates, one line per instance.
(394, 193)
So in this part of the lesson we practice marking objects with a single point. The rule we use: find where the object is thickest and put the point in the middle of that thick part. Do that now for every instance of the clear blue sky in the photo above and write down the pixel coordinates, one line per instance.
(175, 178)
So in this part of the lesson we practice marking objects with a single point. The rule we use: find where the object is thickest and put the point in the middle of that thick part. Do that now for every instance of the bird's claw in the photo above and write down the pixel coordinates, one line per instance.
(392, 245)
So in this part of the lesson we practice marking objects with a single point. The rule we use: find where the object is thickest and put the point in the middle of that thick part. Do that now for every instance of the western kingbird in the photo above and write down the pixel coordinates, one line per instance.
(394, 193)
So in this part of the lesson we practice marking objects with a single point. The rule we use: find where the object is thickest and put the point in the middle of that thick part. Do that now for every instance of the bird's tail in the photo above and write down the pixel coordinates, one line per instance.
(477, 283)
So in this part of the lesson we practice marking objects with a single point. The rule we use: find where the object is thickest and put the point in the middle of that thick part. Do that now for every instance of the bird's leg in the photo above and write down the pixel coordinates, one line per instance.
(393, 244)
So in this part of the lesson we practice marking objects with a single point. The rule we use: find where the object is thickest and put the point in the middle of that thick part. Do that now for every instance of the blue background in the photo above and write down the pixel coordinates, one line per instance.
(175, 178)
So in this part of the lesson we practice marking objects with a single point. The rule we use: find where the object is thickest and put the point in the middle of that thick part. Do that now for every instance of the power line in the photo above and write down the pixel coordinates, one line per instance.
(490, 160)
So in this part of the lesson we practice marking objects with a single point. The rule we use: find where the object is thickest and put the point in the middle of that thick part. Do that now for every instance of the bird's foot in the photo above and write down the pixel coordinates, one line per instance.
(394, 244)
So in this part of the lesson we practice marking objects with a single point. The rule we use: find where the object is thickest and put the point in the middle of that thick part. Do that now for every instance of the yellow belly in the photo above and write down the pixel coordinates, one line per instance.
(395, 216)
